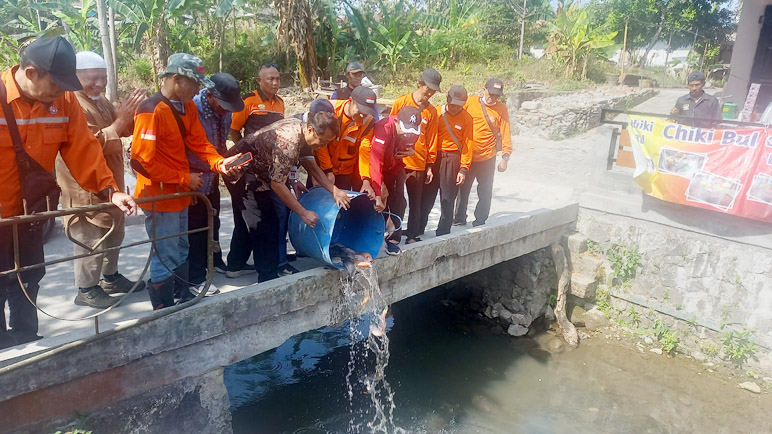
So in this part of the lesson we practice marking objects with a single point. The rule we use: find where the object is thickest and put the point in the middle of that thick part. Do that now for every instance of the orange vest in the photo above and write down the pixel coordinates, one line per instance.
(484, 139)
(340, 156)
(463, 128)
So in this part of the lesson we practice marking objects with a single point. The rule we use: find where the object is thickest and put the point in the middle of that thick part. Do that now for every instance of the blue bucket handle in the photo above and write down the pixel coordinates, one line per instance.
(397, 217)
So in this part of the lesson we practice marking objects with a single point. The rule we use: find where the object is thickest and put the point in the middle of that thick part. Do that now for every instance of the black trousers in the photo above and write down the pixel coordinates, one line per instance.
(449, 166)
(23, 315)
(483, 172)
(197, 218)
(263, 225)
(414, 184)
(396, 202)
(241, 243)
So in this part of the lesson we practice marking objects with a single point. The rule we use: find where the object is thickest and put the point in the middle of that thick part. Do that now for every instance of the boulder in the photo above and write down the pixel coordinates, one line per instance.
(750, 386)
(517, 330)
(530, 105)
(595, 319)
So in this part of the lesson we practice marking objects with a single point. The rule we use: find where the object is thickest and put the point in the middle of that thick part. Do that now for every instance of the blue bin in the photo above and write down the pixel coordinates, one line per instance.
(359, 228)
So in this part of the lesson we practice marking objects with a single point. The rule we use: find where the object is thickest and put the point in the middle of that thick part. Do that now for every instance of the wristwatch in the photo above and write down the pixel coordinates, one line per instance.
(505, 157)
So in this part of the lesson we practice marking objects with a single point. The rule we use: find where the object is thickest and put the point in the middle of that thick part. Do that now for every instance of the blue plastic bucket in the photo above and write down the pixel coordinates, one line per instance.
(359, 228)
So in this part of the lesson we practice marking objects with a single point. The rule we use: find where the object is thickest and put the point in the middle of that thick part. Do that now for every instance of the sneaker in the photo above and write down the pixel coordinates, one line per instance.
(95, 297)
(246, 269)
(393, 249)
(121, 285)
(220, 268)
(196, 289)
(477, 223)
(287, 270)
(459, 223)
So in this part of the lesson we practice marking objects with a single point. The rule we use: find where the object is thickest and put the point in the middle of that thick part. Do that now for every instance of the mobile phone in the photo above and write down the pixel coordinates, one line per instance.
(242, 160)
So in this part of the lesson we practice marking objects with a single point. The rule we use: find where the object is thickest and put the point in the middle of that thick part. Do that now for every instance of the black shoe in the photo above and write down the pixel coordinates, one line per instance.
(412, 240)
(476, 223)
(182, 283)
(234, 272)
(392, 249)
(162, 296)
(121, 285)
(459, 223)
(24, 337)
(220, 267)
(292, 257)
(6, 340)
(95, 297)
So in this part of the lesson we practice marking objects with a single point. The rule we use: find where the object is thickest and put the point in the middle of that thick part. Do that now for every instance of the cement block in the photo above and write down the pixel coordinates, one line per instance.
(577, 243)
(586, 265)
(583, 286)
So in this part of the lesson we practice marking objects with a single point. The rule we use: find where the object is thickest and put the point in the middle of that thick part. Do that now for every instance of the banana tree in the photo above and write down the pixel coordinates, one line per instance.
(296, 30)
(393, 47)
(574, 40)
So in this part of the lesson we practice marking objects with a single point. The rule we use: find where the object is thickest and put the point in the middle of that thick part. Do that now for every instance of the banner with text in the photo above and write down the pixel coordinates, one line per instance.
(727, 170)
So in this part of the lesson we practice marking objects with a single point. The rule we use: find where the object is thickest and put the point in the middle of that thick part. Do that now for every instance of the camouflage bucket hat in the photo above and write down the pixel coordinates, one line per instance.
(189, 66)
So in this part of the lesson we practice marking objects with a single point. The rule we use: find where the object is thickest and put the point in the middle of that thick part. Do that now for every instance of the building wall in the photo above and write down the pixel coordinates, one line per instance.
(748, 31)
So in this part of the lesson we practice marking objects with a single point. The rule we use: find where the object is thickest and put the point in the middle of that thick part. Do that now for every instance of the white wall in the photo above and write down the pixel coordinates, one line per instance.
(744, 50)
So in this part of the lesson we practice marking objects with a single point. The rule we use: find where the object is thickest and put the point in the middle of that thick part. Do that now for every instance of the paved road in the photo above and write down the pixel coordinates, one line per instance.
(541, 175)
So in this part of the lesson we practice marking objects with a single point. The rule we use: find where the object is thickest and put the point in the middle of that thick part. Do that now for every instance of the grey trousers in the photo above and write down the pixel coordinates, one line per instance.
(88, 270)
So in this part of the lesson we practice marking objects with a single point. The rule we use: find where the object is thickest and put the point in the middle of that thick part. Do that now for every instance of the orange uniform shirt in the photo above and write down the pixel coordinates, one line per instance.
(484, 139)
(158, 152)
(463, 128)
(340, 156)
(46, 130)
(259, 112)
(426, 146)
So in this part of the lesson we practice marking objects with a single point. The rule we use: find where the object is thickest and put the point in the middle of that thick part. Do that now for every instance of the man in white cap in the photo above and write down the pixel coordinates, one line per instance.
(108, 124)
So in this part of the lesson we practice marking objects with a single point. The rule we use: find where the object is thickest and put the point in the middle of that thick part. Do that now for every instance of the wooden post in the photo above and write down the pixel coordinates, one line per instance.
(667, 53)
(522, 30)
(107, 50)
(623, 55)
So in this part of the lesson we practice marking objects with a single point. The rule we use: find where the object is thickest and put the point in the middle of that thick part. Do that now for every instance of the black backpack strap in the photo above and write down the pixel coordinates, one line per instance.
(177, 117)
(496, 132)
(450, 132)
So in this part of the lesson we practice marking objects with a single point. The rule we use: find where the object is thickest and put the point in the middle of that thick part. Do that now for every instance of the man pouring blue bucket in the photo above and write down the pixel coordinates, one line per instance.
(275, 149)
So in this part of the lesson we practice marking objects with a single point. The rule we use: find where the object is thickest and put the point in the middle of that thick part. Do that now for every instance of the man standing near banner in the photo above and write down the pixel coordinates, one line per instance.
(697, 104)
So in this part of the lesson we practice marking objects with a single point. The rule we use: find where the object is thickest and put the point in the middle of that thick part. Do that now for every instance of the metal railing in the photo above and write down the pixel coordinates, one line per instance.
(102, 208)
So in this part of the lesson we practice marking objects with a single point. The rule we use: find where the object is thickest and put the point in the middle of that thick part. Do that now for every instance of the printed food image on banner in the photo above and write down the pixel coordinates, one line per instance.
(761, 189)
(679, 163)
(713, 190)
(724, 170)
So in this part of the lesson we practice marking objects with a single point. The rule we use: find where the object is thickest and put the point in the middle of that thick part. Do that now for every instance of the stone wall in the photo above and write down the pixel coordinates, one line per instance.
(558, 116)
(701, 286)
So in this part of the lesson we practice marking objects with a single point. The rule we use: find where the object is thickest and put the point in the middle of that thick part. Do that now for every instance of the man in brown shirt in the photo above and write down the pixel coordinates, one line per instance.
(108, 125)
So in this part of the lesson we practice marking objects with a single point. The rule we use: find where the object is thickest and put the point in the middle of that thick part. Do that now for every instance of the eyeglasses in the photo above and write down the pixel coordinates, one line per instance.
(271, 65)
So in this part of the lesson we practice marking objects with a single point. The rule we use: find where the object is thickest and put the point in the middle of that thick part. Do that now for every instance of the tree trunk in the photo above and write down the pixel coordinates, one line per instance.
(160, 45)
(296, 29)
(112, 86)
(654, 38)
(564, 278)
(113, 39)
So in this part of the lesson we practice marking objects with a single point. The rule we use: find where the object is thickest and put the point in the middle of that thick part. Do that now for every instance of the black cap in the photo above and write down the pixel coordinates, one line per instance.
(409, 120)
(365, 99)
(227, 91)
(354, 67)
(56, 56)
(696, 76)
(432, 78)
(321, 105)
(457, 95)
(495, 86)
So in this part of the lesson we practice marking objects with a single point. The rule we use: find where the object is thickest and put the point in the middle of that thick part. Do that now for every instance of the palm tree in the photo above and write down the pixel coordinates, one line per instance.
(296, 29)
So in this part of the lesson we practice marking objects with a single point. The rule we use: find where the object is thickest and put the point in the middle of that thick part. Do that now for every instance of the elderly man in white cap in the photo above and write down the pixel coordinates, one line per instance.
(108, 124)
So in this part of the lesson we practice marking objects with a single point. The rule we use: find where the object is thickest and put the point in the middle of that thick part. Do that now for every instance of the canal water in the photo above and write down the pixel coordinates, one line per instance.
(450, 374)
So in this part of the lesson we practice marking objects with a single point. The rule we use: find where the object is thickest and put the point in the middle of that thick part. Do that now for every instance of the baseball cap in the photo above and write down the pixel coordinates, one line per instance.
(432, 78)
(89, 60)
(365, 98)
(354, 67)
(321, 105)
(409, 118)
(495, 86)
(696, 76)
(188, 65)
(457, 95)
(56, 56)
(227, 91)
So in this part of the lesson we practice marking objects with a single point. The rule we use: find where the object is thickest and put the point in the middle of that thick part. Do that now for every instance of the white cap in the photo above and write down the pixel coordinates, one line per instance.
(89, 60)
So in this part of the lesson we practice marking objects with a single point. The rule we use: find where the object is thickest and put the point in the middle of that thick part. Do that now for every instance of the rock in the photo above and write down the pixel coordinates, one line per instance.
(513, 305)
(583, 336)
(530, 105)
(496, 310)
(750, 386)
(577, 316)
(586, 265)
(595, 319)
(555, 345)
(526, 280)
(517, 330)
(504, 314)
(583, 286)
(656, 350)
(577, 243)
(497, 330)
(489, 312)
(549, 314)
(521, 319)
(648, 341)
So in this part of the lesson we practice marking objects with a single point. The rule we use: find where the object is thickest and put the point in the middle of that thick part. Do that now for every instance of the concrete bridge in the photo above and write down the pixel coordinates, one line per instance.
(164, 373)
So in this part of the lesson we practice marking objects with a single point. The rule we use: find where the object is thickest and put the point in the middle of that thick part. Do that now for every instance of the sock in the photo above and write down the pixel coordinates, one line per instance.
(111, 277)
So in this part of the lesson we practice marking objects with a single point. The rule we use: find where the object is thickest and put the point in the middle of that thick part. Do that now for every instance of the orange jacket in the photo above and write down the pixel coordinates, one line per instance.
(484, 139)
(463, 128)
(158, 152)
(426, 146)
(259, 112)
(46, 130)
(340, 156)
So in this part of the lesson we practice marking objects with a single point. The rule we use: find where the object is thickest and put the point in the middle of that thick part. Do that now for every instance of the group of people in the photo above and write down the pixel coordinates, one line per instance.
(180, 143)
